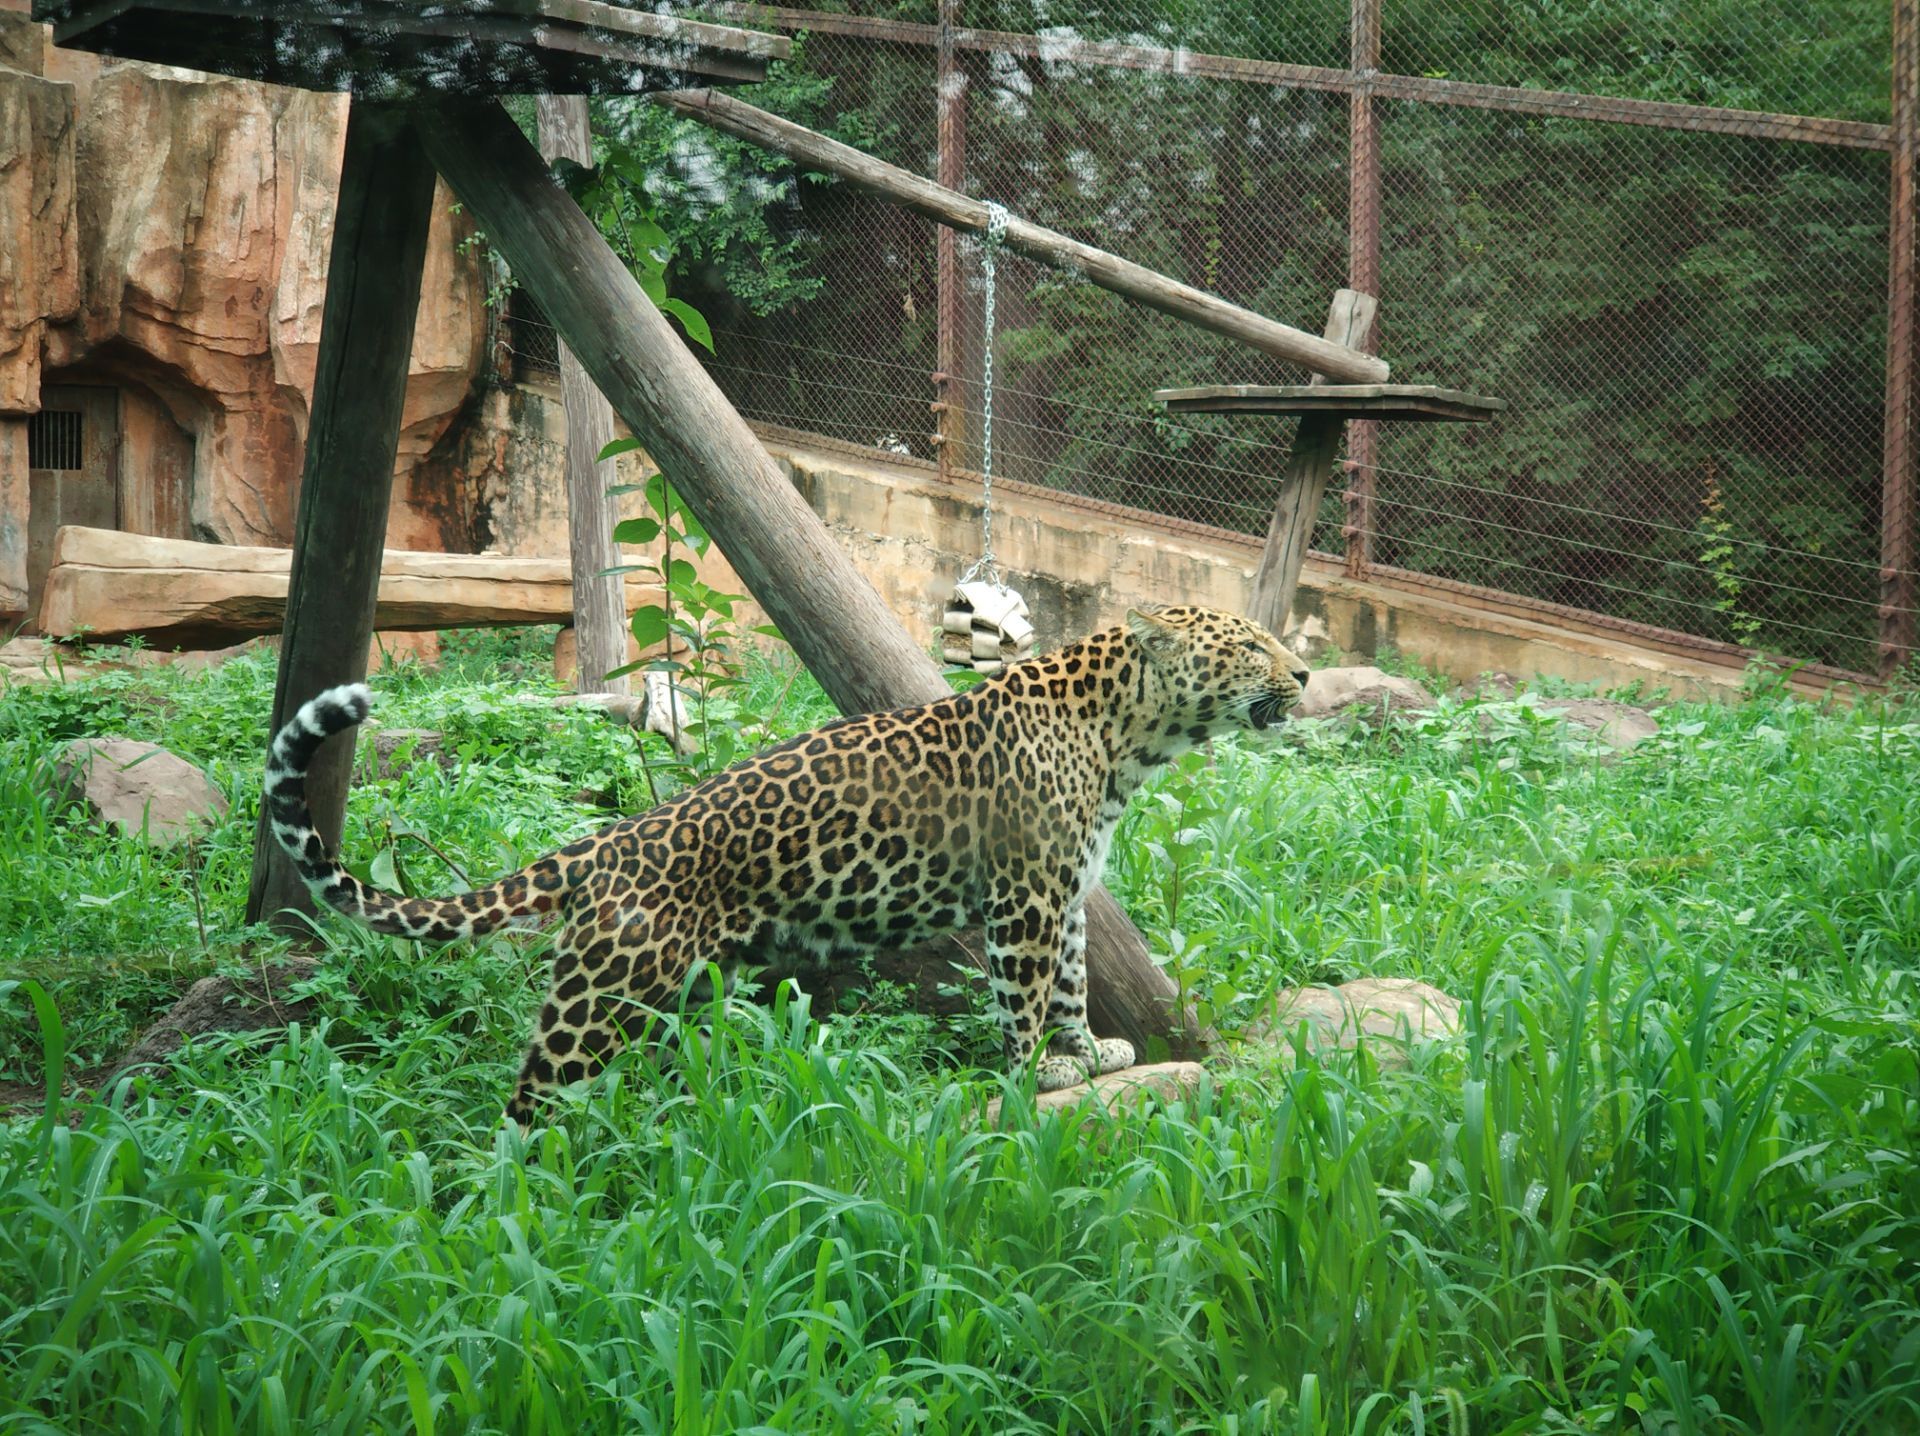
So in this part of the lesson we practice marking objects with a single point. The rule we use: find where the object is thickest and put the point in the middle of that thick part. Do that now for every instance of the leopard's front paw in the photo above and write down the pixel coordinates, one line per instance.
(1115, 1053)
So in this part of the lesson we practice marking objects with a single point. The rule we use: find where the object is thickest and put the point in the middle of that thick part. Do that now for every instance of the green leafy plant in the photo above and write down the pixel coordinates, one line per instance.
(694, 625)
(613, 194)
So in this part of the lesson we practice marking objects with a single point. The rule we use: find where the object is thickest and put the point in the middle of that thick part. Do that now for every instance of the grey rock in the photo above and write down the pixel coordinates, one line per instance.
(1389, 1013)
(1364, 693)
(386, 746)
(1619, 725)
(137, 787)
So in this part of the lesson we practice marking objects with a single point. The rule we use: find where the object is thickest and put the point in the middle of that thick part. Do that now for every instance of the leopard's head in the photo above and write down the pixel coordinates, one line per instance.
(1223, 672)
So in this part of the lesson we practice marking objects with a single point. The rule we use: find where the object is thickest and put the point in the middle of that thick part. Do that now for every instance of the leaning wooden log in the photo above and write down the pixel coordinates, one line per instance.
(784, 554)
(175, 593)
(950, 207)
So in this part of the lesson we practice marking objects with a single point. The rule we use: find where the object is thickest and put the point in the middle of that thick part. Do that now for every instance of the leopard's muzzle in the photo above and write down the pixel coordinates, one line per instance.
(1269, 710)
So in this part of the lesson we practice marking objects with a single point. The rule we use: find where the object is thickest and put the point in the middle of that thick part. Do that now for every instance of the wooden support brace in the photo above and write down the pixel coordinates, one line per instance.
(1304, 483)
(359, 389)
(831, 615)
(960, 211)
(599, 610)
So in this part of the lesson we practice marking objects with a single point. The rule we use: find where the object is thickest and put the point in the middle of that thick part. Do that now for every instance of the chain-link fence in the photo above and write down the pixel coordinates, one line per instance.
(1661, 233)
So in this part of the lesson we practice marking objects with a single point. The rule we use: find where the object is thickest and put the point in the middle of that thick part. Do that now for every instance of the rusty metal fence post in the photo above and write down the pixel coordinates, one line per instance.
(1897, 587)
(1363, 268)
(950, 88)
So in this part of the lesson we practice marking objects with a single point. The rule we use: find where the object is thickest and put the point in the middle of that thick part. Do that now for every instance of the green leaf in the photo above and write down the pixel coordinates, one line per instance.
(649, 625)
(637, 530)
(650, 237)
(691, 319)
(613, 450)
(652, 285)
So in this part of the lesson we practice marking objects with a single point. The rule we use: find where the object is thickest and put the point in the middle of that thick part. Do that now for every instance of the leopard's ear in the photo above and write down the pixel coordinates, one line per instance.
(1160, 638)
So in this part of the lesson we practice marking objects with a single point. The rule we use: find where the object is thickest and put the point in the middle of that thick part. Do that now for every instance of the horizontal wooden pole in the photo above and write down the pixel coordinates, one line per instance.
(1562, 104)
(179, 593)
(950, 207)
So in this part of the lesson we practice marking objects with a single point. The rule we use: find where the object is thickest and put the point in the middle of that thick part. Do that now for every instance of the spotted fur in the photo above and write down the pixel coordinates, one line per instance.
(993, 806)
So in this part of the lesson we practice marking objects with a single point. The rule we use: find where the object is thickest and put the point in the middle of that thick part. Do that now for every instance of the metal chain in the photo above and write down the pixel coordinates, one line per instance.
(986, 566)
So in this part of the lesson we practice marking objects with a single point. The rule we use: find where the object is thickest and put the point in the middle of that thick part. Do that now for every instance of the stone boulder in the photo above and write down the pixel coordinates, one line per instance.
(392, 751)
(1120, 1091)
(259, 1002)
(1363, 693)
(1390, 1013)
(139, 788)
(1619, 725)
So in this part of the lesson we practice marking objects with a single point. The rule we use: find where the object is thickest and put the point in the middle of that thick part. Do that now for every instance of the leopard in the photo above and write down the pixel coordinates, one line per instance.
(993, 807)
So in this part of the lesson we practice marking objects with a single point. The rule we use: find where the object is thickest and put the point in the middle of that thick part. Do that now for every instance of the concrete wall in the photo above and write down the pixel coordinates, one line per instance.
(1081, 565)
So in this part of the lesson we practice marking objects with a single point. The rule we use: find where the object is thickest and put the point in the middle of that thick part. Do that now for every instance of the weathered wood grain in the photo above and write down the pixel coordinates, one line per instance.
(176, 593)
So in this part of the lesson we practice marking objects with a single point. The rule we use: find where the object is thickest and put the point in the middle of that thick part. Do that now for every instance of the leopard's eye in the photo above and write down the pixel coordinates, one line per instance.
(1254, 645)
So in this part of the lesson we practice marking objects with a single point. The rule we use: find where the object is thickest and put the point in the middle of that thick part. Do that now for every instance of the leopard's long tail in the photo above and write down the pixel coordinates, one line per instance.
(530, 893)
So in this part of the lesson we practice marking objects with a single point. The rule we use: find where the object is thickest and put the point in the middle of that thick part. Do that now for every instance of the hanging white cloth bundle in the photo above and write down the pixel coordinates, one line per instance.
(986, 625)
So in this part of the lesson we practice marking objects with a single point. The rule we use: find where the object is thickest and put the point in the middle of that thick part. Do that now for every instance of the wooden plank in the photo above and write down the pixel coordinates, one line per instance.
(177, 593)
(359, 390)
(1425, 403)
(599, 612)
(1554, 104)
(788, 560)
(389, 49)
(949, 207)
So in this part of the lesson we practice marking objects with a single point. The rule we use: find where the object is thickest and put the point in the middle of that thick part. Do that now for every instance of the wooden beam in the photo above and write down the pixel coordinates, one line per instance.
(1054, 50)
(1304, 483)
(599, 607)
(949, 207)
(359, 390)
(177, 593)
(788, 560)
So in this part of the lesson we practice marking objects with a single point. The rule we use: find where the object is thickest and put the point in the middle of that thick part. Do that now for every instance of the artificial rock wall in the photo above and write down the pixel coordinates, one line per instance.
(165, 234)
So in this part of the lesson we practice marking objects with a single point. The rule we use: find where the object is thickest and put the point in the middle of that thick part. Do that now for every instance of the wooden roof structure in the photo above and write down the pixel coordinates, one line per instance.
(406, 49)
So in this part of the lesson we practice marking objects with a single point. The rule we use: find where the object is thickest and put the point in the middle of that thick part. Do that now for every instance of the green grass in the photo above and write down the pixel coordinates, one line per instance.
(1665, 1181)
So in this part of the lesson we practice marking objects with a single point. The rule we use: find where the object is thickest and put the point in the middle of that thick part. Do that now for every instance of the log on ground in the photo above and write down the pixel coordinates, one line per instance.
(180, 594)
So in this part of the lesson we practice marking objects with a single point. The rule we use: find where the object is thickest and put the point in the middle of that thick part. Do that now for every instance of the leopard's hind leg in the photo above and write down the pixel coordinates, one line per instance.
(604, 990)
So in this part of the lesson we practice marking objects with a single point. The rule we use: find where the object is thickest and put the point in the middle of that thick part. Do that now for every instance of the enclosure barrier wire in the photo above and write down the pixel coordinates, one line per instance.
(1669, 242)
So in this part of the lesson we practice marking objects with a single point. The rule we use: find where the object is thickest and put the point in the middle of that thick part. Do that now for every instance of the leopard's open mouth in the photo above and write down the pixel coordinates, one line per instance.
(1268, 711)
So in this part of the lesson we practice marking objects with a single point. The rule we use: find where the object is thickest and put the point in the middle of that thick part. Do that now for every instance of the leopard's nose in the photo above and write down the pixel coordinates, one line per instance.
(1300, 676)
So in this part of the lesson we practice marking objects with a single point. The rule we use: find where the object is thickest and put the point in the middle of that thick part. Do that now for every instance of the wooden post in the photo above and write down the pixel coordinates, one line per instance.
(1363, 269)
(599, 612)
(950, 94)
(923, 196)
(1899, 593)
(359, 389)
(1304, 482)
(833, 618)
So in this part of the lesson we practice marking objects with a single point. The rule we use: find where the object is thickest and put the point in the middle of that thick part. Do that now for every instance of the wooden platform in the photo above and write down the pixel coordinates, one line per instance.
(399, 49)
(1424, 403)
